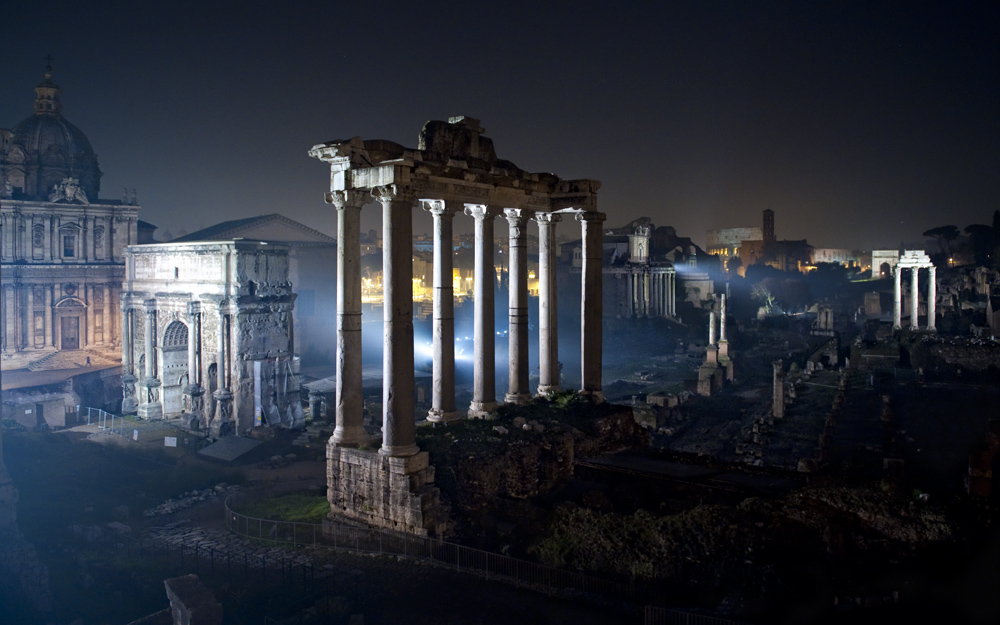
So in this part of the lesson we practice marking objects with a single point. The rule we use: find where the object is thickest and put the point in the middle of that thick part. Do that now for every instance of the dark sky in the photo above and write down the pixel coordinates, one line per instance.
(860, 124)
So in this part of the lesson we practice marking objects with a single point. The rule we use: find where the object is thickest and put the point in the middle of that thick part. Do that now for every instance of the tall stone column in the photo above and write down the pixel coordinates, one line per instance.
(932, 298)
(398, 421)
(150, 407)
(914, 299)
(29, 318)
(443, 391)
(778, 397)
(897, 298)
(106, 316)
(548, 318)
(517, 389)
(591, 304)
(484, 354)
(711, 329)
(722, 317)
(195, 418)
(223, 423)
(48, 315)
(349, 430)
(129, 403)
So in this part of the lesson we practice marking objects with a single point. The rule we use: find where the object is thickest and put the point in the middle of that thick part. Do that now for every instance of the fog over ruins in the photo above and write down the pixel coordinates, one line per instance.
(446, 388)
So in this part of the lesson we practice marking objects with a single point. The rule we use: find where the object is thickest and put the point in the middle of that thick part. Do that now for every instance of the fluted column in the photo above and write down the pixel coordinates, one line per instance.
(897, 298)
(484, 354)
(150, 407)
(914, 299)
(223, 422)
(349, 430)
(129, 403)
(194, 391)
(398, 420)
(591, 334)
(517, 336)
(548, 318)
(443, 382)
(932, 298)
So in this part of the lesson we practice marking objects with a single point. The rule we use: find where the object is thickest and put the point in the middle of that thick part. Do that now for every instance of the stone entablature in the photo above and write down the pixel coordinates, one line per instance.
(208, 333)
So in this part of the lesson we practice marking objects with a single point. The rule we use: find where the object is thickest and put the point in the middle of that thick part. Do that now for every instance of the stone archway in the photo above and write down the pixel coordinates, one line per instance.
(173, 367)
(70, 326)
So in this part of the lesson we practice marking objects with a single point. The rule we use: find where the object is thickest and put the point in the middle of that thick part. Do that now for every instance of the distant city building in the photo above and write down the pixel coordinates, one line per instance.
(726, 242)
(847, 258)
(63, 247)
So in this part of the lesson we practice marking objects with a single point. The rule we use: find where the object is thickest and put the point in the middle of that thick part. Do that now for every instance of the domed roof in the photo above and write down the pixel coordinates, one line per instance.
(53, 148)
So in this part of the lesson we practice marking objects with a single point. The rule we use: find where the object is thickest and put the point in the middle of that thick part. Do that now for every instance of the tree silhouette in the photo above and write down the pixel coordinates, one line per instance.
(944, 236)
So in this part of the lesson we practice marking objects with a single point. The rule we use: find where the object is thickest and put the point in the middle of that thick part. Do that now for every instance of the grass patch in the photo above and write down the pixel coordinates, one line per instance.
(300, 508)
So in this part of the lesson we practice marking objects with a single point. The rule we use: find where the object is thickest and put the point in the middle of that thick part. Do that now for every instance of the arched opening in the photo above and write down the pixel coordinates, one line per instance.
(884, 270)
(173, 367)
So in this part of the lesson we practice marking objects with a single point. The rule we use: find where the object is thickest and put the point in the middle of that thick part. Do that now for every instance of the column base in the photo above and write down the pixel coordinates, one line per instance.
(129, 405)
(544, 390)
(352, 436)
(481, 409)
(194, 421)
(595, 396)
(439, 416)
(150, 411)
(399, 451)
(517, 398)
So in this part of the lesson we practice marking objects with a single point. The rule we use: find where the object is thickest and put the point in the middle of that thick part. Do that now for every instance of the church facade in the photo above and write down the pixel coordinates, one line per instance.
(62, 248)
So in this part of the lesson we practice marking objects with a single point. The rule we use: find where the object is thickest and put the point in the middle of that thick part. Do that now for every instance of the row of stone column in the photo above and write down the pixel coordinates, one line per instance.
(652, 293)
(914, 298)
(19, 237)
(398, 408)
(19, 321)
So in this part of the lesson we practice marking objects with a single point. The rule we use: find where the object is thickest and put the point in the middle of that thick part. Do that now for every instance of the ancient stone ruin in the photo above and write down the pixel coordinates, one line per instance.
(453, 170)
(207, 336)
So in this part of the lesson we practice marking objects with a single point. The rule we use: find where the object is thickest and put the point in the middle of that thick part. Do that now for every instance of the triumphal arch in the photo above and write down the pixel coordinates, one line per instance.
(453, 171)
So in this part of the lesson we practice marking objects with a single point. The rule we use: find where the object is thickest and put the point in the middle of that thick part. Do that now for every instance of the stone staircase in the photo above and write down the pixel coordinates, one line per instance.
(72, 360)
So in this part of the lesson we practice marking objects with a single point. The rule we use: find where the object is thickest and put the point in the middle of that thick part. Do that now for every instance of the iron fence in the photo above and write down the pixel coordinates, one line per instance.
(653, 615)
(370, 541)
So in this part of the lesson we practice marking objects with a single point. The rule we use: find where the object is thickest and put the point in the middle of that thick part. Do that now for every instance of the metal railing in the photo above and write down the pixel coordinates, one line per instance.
(662, 616)
(370, 541)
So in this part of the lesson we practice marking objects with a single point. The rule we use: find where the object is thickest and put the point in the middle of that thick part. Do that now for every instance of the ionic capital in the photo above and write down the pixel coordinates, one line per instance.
(347, 199)
(481, 211)
(548, 218)
(392, 193)
(517, 217)
(441, 208)
(591, 216)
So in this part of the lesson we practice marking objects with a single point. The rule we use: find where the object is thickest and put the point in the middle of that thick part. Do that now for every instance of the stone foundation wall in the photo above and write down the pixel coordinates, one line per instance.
(397, 493)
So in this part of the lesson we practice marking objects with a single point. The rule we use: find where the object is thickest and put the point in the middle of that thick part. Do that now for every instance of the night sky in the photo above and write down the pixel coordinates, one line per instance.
(860, 124)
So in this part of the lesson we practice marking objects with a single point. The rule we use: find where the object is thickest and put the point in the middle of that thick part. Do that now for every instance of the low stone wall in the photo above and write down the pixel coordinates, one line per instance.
(384, 491)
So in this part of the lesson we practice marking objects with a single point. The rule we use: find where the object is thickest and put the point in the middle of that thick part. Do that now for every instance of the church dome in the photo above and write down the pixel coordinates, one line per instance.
(47, 148)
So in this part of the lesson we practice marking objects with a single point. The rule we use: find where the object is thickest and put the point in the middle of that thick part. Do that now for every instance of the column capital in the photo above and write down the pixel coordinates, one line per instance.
(548, 218)
(392, 193)
(482, 211)
(588, 216)
(347, 199)
(517, 215)
(441, 208)
(194, 308)
(150, 306)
